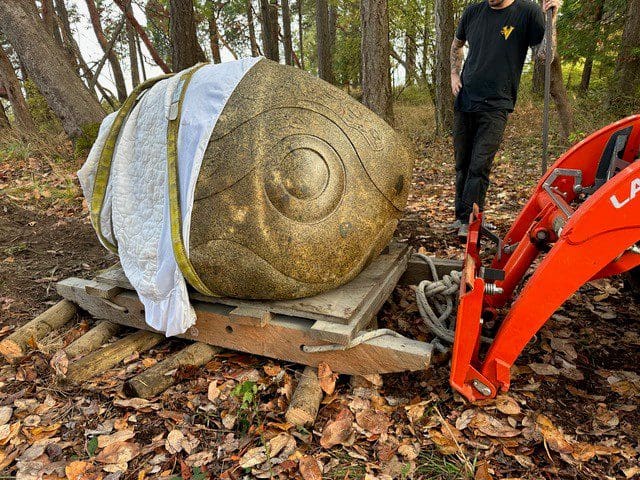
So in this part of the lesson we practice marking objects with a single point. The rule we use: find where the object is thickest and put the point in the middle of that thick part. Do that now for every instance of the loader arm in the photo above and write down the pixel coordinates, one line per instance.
(582, 222)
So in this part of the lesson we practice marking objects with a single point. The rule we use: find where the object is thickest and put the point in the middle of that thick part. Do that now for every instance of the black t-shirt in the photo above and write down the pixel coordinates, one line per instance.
(498, 44)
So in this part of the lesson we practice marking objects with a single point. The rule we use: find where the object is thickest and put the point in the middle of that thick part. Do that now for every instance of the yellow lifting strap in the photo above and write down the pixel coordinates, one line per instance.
(104, 170)
(177, 240)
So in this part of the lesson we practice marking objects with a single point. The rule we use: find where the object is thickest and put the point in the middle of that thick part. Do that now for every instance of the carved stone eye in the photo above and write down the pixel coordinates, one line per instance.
(304, 178)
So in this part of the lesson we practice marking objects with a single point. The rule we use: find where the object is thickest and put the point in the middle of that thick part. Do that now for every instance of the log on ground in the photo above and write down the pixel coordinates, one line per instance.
(16, 345)
(306, 399)
(92, 340)
(102, 360)
(158, 378)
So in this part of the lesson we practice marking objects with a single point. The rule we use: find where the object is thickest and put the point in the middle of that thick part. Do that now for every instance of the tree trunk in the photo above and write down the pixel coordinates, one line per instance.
(323, 40)
(143, 35)
(300, 35)
(4, 120)
(214, 36)
(10, 82)
(141, 57)
(133, 52)
(588, 64)
(50, 22)
(269, 14)
(49, 69)
(561, 99)
(376, 76)
(255, 50)
(185, 49)
(286, 33)
(444, 31)
(410, 51)
(116, 68)
(68, 42)
(627, 73)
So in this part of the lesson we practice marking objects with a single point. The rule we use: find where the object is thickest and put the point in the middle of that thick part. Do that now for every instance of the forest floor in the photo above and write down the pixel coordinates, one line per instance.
(572, 411)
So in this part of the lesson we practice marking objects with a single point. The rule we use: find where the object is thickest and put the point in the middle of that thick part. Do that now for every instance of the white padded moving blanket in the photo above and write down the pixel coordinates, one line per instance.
(135, 212)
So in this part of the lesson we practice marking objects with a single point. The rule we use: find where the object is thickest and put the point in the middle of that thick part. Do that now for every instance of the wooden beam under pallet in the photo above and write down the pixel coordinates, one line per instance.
(280, 337)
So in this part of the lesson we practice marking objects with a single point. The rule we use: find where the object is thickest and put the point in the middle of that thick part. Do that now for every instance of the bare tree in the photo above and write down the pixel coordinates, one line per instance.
(143, 36)
(444, 32)
(410, 53)
(300, 34)
(48, 67)
(116, 68)
(255, 50)
(324, 41)
(214, 33)
(376, 75)
(286, 33)
(133, 52)
(627, 73)
(49, 19)
(269, 19)
(11, 84)
(185, 49)
(588, 63)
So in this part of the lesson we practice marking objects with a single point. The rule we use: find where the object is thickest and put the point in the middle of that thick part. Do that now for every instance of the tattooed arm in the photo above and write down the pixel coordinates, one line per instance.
(457, 57)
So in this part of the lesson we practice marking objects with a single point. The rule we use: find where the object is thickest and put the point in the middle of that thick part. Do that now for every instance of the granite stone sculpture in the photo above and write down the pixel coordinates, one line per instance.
(300, 188)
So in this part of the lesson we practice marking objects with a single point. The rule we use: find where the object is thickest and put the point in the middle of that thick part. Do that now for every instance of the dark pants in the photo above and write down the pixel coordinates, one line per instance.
(476, 139)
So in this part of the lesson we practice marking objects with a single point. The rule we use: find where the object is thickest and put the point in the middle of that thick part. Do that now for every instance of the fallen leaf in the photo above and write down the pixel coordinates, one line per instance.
(445, 444)
(507, 405)
(272, 370)
(213, 391)
(416, 411)
(409, 452)
(372, 421)
(326, 378)
(253, 456)
(118, 453)
(465, 418)
(5, 414)
(76, 470)
(338, 431)
(584, 452)
(544, 369)
(121, 436)
(136, 403)
(493, 427)
(277, 443)
(309, 468)
(482, 472)
(553, 437)
(631, 472)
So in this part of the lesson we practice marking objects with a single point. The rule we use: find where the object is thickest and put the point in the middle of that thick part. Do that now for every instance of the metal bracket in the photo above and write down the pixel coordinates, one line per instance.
(555, 198)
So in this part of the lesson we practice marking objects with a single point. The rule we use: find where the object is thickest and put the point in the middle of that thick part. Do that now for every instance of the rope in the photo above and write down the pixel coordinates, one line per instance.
(436, 299)
(362, 338)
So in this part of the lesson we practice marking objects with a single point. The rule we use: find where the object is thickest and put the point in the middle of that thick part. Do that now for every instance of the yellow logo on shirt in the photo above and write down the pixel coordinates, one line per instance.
(506, 32)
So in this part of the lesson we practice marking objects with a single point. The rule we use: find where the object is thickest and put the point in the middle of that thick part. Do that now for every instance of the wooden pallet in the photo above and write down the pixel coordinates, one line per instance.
(281, 330)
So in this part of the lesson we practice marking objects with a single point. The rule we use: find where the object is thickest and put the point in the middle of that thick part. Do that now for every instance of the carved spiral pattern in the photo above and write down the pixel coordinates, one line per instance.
(304, 178)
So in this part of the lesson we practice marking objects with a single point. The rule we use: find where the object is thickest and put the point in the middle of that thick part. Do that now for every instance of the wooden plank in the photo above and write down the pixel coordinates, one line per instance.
(342, 334)
(340, 305)
(281, 338)
(418, 270)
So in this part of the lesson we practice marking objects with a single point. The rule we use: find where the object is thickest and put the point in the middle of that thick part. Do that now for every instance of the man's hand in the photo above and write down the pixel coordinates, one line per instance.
(456, 84)
(555, 4)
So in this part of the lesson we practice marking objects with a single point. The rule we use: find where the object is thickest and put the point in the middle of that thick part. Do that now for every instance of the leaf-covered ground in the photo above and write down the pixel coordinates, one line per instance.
(572, 411)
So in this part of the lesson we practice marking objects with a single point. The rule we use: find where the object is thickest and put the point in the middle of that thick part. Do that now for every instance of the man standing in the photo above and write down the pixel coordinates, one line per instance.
(499, 33)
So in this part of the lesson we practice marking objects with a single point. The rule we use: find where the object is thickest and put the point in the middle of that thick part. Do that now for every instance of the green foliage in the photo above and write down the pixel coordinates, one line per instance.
(247, 393)
(42, 115)
(84, 142)
(92, 446)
